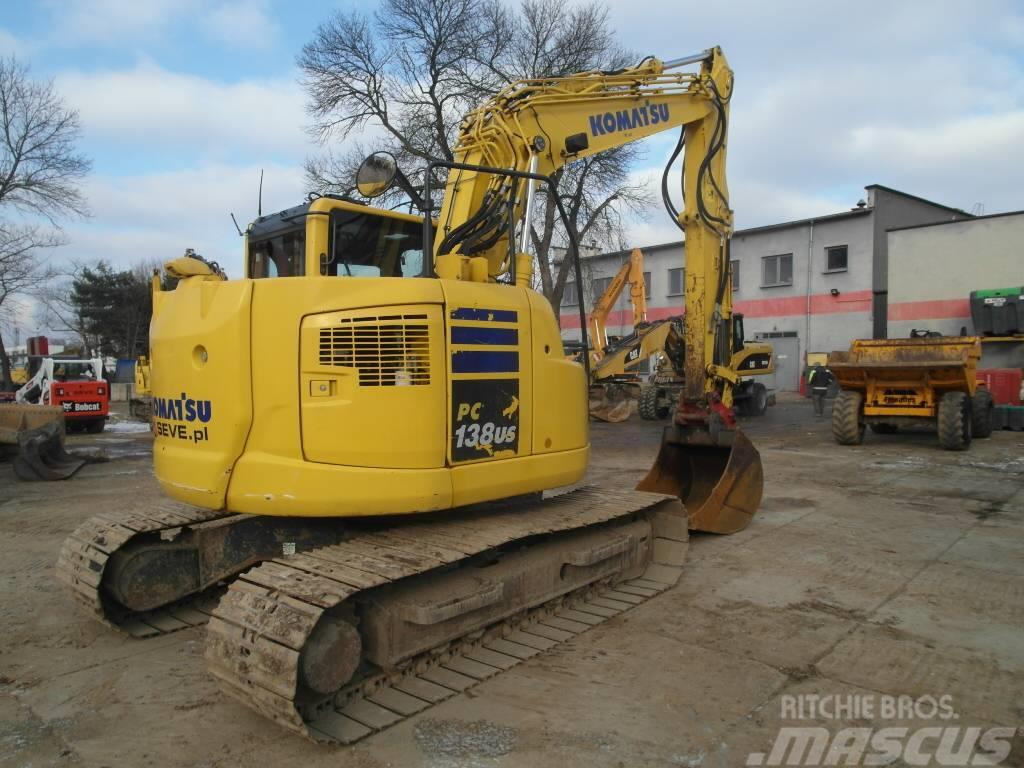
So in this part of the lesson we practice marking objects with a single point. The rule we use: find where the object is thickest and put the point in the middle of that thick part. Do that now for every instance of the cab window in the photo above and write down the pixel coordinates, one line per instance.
(369, 245)
(280, 255)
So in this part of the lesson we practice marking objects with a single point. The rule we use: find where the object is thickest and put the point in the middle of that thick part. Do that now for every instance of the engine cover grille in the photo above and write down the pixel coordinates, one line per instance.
(387, 350)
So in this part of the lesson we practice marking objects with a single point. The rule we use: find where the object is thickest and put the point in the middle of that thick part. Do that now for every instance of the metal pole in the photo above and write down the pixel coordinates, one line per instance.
(691, 59)
(524, 239)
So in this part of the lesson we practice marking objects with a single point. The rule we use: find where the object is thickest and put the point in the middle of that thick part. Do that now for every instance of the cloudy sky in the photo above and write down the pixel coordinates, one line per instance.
(183, 101)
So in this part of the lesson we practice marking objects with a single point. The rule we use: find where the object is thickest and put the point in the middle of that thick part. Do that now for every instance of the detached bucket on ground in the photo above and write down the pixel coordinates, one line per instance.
(720, 485)
(34, 434)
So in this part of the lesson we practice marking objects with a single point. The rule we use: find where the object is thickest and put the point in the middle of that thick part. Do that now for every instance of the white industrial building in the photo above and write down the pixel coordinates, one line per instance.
(815, 284)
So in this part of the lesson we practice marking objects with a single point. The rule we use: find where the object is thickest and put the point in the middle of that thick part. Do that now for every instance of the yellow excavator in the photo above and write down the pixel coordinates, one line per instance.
(357, 433)
(658, 395)
(630, 273)
(609, 392)
(616, 378)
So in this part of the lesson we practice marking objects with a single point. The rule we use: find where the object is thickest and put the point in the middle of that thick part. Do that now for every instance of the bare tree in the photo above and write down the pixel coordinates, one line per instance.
(20, 275)
(39, 168)
(418, 66)
(39, 176)
(56, 310)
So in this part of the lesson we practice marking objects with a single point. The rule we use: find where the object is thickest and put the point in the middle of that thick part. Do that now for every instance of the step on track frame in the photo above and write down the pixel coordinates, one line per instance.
(259, 637)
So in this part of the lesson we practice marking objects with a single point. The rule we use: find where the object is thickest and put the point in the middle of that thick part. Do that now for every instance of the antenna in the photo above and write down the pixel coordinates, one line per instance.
(259, 199)
(236, 225)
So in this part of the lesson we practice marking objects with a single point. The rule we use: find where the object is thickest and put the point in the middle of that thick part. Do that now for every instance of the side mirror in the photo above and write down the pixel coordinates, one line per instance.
(376, 174)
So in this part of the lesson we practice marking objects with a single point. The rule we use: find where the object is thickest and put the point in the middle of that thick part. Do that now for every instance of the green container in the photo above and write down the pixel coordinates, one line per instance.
(998, 311)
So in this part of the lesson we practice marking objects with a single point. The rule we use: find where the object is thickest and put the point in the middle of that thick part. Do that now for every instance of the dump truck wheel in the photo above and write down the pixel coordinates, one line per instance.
(648, 403)
(981, 413)
(954, 423)
(884, 429)
(847, 425)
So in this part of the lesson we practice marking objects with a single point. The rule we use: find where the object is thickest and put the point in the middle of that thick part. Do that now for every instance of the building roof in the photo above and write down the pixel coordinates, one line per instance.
(852, 213)
(919, 199)
(959, 221)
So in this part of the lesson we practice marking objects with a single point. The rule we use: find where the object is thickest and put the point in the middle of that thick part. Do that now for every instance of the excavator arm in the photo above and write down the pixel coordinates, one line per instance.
(539, 126)
(631, 272)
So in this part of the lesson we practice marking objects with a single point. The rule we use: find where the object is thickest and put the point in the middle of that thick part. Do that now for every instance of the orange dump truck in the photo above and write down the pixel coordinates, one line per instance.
(891, 383)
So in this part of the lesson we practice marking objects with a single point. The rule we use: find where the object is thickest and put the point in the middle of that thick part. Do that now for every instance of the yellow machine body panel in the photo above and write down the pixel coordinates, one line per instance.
(348, 396)
(366, 374)
(202, 406)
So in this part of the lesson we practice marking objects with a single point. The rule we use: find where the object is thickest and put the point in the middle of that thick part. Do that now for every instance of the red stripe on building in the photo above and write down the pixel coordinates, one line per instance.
(930, 310)
(821, 304)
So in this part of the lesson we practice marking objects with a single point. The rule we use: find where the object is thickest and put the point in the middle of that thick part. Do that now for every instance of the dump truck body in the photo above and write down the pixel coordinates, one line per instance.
(889, 383)
(907, 377)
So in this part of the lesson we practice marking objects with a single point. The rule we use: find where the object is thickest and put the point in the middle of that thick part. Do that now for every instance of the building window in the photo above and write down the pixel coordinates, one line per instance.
(600, 285)
(647, 285)
(835, 258)
(734, 268)
(675, 281)
(569, 297)
(777, 270)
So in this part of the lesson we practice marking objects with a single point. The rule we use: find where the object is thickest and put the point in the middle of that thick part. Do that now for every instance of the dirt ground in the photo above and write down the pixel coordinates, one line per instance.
(891, 568)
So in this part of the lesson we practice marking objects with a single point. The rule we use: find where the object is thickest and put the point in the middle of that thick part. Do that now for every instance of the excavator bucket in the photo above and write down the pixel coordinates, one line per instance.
(612, 402)
(719, 484)
(612, 412)
(34, 434)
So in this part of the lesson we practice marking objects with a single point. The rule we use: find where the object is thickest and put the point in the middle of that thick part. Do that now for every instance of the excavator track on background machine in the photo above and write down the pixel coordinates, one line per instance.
(371, 519)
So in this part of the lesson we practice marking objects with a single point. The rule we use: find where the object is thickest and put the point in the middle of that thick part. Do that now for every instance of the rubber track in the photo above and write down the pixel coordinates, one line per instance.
(85, 553)
(258, 630)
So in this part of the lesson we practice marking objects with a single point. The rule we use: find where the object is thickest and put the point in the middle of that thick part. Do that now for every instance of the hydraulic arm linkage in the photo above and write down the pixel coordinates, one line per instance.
(631, 272)
(541, 125)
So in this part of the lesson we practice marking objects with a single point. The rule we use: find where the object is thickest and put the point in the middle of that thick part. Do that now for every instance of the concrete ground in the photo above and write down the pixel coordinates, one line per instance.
(886, 569)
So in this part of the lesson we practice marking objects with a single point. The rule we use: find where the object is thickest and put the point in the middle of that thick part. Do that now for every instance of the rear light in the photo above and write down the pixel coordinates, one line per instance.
(100, 391)
(60, 391)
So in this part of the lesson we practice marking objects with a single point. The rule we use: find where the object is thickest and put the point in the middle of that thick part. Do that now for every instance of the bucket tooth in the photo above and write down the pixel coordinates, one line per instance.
(719, 484)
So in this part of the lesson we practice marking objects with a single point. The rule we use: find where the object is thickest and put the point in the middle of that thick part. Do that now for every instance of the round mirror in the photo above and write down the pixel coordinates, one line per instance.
(376, 174)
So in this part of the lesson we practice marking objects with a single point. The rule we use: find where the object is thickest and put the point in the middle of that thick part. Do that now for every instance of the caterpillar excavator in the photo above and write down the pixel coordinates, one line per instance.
(615, 365)
(658, 396)
(356, 435)
(609, 396)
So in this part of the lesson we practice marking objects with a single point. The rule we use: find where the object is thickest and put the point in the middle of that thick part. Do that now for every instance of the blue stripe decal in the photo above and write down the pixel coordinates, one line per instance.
(464, 334)
(490, 315)
(485, 362)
